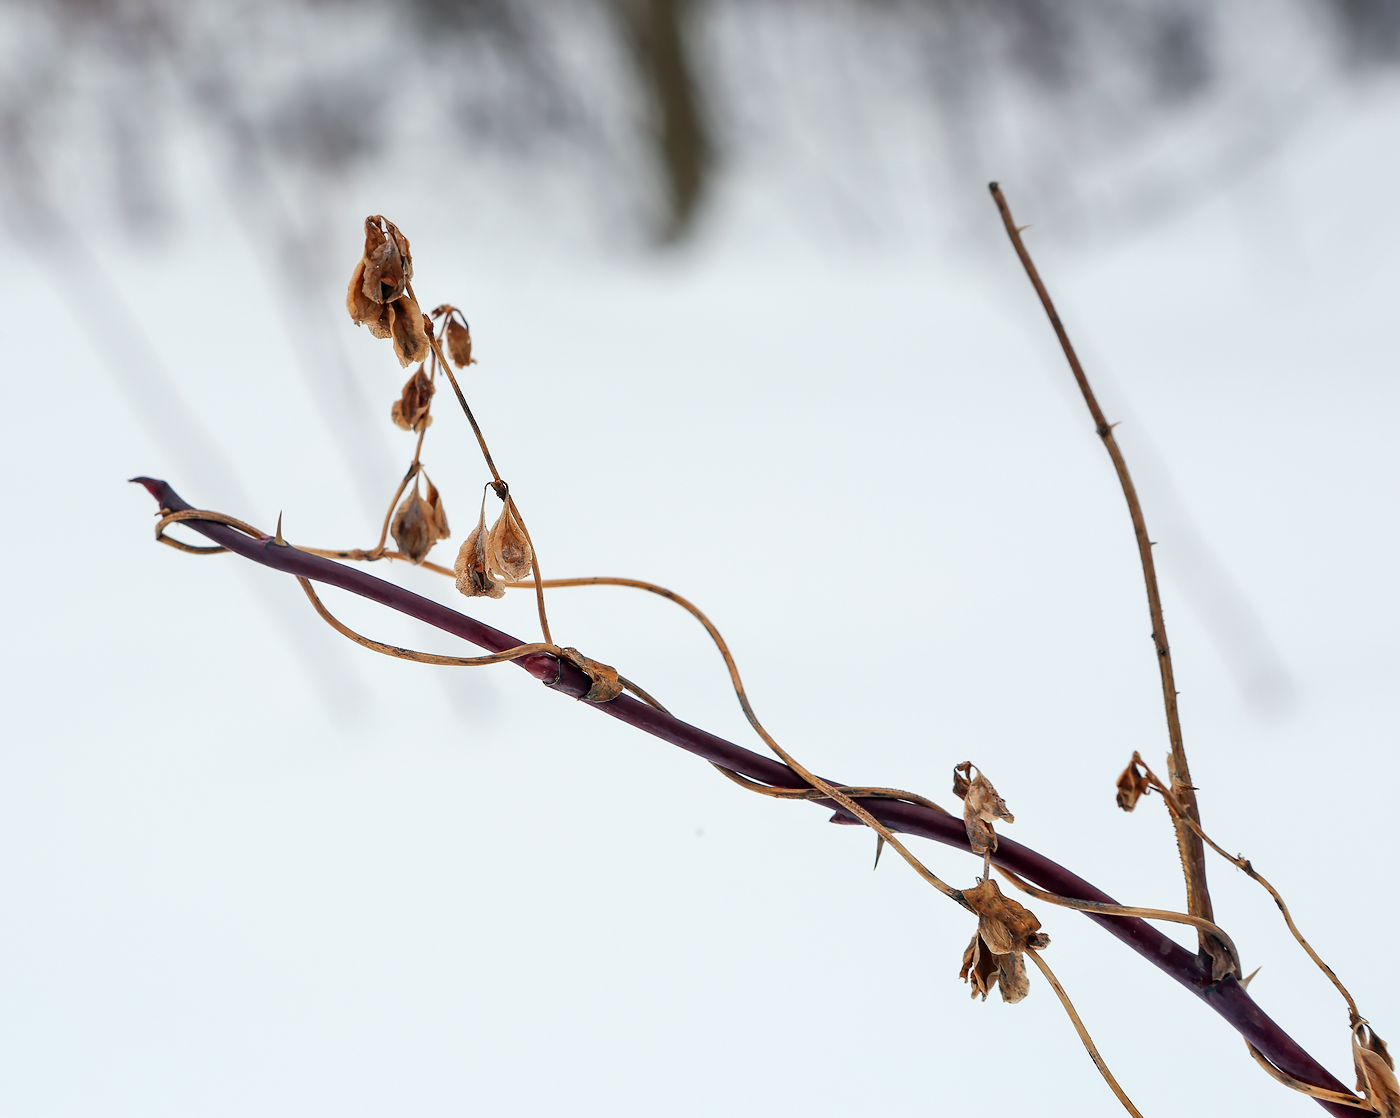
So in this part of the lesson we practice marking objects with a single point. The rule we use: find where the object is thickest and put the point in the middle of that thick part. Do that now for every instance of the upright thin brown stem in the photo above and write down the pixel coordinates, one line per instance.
(1193, 859)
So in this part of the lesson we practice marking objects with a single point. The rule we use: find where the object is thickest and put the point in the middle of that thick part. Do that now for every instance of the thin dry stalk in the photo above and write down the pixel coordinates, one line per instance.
(1189, 845)
(819, 788)
(738, 685)
(1174, 806)
(1307, 1088)
(1083, 1032)
(1198, 922)
(167, 518)
(421, 657)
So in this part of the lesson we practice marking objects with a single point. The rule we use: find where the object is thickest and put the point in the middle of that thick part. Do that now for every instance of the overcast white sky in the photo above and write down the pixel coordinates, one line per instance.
(249, 868)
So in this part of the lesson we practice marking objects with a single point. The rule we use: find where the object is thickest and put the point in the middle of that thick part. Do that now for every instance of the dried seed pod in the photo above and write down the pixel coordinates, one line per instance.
(459, 343)
(1375, 1071)
(419, 523)
(1005, 928)
(378, 295)
(981, 806)
(508, 551)
(1012, 977)
(605, 682)
(473, 578)
(409, 328)
(979, 967)
(1006, 924)
(1132, 786)
(410, 410)
(388, 263)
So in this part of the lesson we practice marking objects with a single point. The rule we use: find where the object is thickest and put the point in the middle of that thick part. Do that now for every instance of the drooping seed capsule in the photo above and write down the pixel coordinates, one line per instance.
(473, 576)
(378, 293)
(1005, 929)
(981, 807)
(459, 343)
(1132, 786)
(1375, 1071)
(508, 552)
(410, 410)
(409, 328)
(419, 523)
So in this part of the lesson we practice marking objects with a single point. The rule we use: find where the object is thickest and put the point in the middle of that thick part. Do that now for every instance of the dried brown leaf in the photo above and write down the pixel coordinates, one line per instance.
(981, 807)
(605, 683)
(473, 578)
(508, 551)
(1132, 786)
(410, 410)
(459, 343)
(1375, 1071)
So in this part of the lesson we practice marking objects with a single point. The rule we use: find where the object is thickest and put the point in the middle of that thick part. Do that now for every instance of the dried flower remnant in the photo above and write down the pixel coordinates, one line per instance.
(410, 410)
(459, 343)
(605, 682)
(379, 296)
(419, 523)
(1132, 786)
(508, 551)
(1005, 928)
(981, 807)
(473, 576)
(1375, 1071)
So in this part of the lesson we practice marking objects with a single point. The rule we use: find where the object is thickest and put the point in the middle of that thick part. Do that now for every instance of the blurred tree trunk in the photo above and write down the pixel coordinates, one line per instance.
(657, 34)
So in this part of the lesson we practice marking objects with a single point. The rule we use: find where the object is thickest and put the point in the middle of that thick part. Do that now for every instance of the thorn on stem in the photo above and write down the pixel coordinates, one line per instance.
(879, 848)
(277, 539)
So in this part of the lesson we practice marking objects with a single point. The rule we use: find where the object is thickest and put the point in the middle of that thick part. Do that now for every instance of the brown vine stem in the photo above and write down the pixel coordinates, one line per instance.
(1193, 858)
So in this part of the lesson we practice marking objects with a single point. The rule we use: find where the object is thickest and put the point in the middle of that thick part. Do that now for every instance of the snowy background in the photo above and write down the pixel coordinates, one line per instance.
(246, 867)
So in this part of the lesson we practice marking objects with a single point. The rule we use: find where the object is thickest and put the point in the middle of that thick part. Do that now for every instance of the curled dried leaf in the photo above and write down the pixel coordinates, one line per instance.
(419, 523)
(605, 683)
(1132, 786)
(473, 578)
(1375, 1071)
(459, 343)
(981, 807)
(508, 551)
(410, 410)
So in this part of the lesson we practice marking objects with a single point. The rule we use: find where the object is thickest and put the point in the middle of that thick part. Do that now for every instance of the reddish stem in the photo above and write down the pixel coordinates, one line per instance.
(1228, 998)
